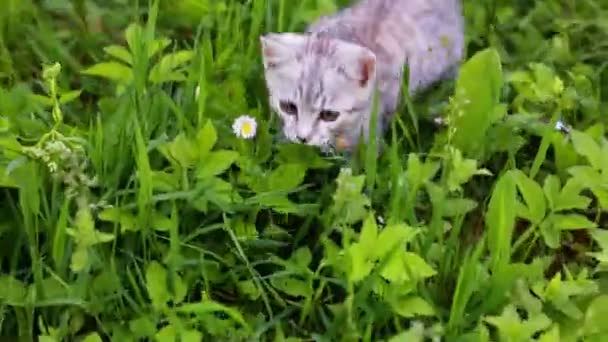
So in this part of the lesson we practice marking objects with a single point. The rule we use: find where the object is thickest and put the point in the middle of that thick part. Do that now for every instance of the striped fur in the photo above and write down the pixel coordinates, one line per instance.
(340, 60)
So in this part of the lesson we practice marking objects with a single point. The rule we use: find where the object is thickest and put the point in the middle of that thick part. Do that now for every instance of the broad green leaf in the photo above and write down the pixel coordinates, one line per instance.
(419, 173)
(500, 221)
(586, 146)
(286, 177)
(5, 126)
(180, 289)
(156, 284)
(218, 192)
(551, 188)
(302, 257)
(601, 238)
(249, 289)
(418, 268)
(277, 202)
(349, 204)
(244, 231)
(533, 196)
(161, 222)
(562, 294)
(369, 232)
(457, 206)
(85, 224)
(207, 137)
(595, 317)
(572, 222)
(165, 181)
(69, 96)
(163, 71)
(216, 163)
(476, 97)
(393, 268)
(142, 327)
(292, 286)
(390, 236)
(545, 82)
(524, 298)
(85, 233)
(570, 197)
(184, 151)
(412, 306)
(462, 170)
(550, 234)
(80, 259)
(111, 70)
(512, 328)
(27, 177)
(593, 180)
(586, 175)
(157, 46)
(191, 336)
(42, 100)
(413, 334)
(46, 338)
(522, 211)
(133, 36)
(125, 218)
(12, 291)
(6, 181)
(167, 334)
(361, 264)
(301, 154)
(119, 52)
(551, 335)
(208, 306)
(92, 337)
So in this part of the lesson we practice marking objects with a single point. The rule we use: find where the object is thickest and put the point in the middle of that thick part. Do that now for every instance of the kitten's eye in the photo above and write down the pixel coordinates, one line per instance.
(288, 107)
(329, 115)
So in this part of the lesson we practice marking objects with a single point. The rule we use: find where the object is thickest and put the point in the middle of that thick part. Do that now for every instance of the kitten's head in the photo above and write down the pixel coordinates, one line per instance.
(322, 88)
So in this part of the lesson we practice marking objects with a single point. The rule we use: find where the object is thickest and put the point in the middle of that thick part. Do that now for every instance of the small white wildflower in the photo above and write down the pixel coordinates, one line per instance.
(52, 167)
(417, 327)
(245, 127)
(439, 121)
(37, 152)
(65, 155)
(561, 126)
(55, 146)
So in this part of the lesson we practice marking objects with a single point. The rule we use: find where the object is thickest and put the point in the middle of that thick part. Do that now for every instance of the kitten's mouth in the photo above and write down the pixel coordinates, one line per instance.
(340, 143)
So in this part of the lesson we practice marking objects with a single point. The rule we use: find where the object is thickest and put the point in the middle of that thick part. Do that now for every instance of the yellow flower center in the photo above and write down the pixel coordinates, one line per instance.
(246, 128)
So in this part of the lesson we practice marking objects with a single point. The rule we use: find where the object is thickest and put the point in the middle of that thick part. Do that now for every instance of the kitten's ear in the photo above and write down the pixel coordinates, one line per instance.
(280, 47)
(359, 63)
(367, 69)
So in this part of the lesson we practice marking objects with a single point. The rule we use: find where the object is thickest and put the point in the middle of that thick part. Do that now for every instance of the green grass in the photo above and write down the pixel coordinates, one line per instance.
(131, 211)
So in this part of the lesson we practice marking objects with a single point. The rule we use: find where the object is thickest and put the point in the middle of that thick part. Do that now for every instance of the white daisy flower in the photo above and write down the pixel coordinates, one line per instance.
(245, 127)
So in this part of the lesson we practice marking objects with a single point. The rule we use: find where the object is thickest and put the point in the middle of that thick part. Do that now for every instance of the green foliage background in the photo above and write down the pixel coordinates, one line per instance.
(130, 211)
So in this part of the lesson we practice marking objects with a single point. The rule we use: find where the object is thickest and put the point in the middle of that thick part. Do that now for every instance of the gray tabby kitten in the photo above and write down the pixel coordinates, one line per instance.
(322, 82)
